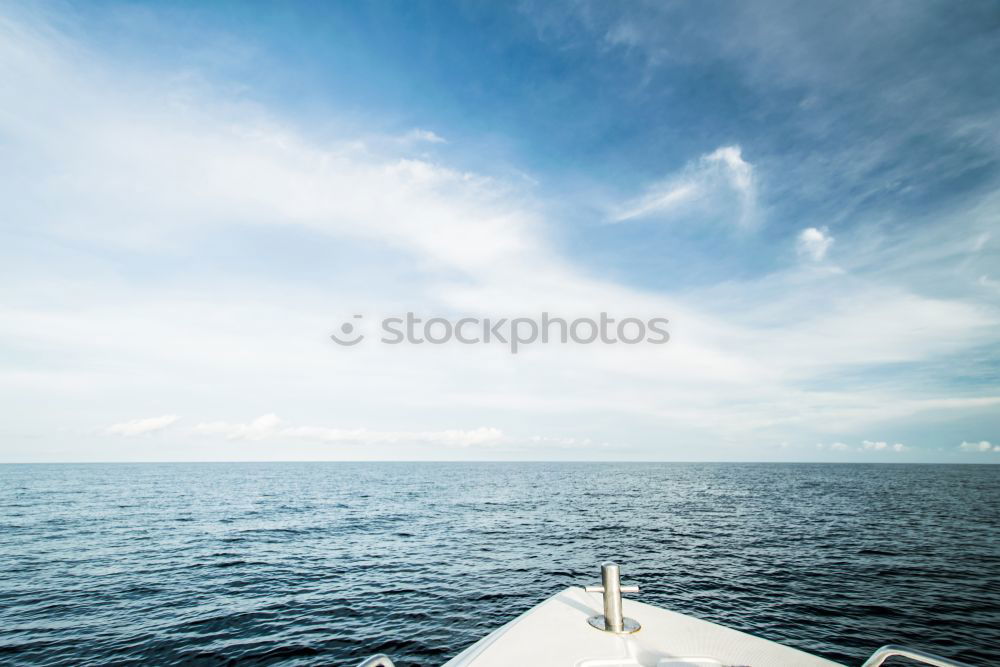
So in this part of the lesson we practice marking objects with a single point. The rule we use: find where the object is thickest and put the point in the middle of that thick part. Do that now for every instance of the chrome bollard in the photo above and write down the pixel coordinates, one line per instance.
(611, 587)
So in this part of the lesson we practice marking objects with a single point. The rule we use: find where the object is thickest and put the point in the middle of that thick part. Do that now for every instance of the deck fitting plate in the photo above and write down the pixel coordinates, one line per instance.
(631, 625)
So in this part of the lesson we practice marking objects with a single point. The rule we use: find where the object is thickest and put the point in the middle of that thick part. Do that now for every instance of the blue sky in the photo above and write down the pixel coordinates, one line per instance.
(195, 195)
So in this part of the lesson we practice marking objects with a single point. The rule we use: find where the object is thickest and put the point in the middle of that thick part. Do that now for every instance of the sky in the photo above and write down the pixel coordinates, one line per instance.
(195, 196)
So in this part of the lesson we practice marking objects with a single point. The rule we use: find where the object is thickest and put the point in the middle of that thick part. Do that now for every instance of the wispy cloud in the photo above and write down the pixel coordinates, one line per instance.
(979, 447)
(188, 235)
(623, 33)
(142, 426)
(270, 426)
(720, 183)
(426, 136)
(989, 283)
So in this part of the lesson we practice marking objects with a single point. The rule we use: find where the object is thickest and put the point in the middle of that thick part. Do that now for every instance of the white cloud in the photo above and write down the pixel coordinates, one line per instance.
(880, 446)
(981, 446)
(562, 442)
(153, 173)
(270, 426)
(142, 426)
(834, 447)
(426, 136)
(262, 427)
(477, 437)
(718, 184)
(739, 172)
(814, 243)
(663, 198)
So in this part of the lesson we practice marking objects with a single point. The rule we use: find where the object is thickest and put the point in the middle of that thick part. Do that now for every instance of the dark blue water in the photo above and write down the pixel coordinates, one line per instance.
(325, 563)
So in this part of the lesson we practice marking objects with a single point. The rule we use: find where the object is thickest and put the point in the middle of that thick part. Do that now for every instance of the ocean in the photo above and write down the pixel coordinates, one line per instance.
(326, 563)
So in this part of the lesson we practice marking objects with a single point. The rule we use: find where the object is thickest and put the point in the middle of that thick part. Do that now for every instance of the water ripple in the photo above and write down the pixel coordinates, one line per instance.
(309, 564)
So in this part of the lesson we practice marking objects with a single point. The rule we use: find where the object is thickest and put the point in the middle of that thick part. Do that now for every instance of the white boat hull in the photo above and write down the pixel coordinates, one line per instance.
(556, 633)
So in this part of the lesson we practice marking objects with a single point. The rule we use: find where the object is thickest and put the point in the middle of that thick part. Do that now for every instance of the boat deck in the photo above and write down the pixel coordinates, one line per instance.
(556, 633)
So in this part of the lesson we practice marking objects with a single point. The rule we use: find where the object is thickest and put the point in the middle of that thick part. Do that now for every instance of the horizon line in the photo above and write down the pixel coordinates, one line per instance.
(590, 461)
